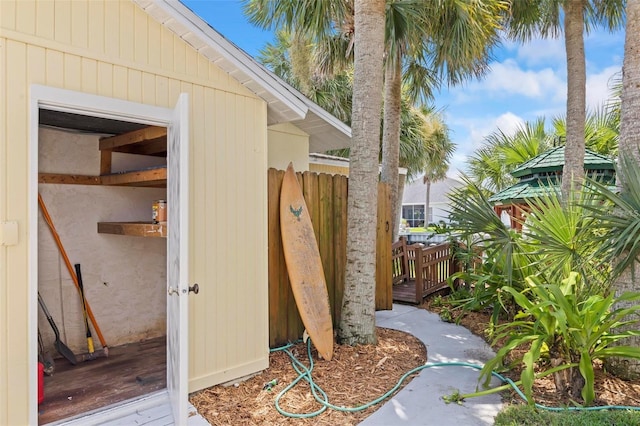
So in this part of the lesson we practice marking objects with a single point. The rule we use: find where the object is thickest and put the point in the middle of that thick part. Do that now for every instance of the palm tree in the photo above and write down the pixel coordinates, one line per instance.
(528, 18)
(332, 92)
(629, 158)
(437, 162)
(490, 167)
(601, 130)
(423, 135)
(357, 325)
(428, 43)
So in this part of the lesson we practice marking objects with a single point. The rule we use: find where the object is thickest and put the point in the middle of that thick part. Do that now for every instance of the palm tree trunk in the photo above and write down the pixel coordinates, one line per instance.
(391, 133)
(357, 325)
(573, 172)
(630, 148)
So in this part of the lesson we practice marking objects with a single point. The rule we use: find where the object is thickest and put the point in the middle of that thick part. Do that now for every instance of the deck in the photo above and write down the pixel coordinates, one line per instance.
(418, 270)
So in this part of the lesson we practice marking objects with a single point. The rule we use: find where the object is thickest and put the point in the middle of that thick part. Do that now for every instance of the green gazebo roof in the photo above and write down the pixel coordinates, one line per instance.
(553, 161)
(540, 175)
(523, 190)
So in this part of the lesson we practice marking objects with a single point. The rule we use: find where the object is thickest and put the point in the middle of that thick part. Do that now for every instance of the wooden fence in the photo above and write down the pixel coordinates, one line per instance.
(326, 198)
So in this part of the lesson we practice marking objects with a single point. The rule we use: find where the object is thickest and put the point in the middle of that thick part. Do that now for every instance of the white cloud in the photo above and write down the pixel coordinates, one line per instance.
(509, 123)
(478, 128)
(550, 52)
(598, 90)
(508, 80)
(469, 135)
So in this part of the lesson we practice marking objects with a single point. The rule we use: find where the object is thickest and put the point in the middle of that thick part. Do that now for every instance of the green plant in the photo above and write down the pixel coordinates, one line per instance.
(438, 301)
(455, 396)
(445, 315)
(575, 331)
(523, 415)
(492, 256)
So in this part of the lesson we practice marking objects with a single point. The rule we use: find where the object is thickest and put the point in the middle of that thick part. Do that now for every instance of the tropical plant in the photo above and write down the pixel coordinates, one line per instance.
(619, 218)
(561, 238)
(601, 131)
(574, 331)
(503, 259)
(556, 239)
(491, 166)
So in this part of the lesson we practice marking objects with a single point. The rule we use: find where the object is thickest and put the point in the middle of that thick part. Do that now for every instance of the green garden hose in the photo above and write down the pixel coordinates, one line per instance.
(304, 373)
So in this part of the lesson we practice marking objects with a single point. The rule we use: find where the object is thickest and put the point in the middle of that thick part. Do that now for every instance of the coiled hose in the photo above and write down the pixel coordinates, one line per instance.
(304, 373)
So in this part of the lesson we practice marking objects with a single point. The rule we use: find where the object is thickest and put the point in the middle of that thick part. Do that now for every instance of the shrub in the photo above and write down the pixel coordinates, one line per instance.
(575, 331)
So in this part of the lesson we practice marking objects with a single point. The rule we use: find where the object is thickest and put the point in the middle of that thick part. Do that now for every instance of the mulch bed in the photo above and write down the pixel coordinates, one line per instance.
(355, 376)
(360, 374)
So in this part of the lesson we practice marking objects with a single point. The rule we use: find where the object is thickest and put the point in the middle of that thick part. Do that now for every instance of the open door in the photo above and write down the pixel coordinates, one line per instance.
(177, 259)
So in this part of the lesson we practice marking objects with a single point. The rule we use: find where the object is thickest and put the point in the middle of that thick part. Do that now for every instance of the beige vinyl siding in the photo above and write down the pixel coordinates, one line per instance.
(288, 143)
(113, 49)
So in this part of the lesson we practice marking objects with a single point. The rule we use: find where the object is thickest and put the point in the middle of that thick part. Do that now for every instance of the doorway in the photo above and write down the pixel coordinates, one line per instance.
(132, 282)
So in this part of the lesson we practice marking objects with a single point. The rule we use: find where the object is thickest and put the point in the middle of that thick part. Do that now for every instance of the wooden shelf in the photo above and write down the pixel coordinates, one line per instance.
(68, 179)
(156, 178)
(152, 178)
(151, 140)
(136, 229)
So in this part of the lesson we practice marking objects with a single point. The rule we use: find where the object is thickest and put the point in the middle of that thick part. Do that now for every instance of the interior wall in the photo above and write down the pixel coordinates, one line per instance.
(124, 277)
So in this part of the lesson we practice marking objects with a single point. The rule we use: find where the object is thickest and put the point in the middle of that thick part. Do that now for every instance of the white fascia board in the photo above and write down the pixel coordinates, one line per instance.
(190, 27)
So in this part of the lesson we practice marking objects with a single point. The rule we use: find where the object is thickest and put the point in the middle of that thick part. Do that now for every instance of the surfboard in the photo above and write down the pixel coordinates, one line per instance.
(302, 257)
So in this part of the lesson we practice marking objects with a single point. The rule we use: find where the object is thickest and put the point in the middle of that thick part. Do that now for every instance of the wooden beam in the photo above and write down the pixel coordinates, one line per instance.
(105, 162)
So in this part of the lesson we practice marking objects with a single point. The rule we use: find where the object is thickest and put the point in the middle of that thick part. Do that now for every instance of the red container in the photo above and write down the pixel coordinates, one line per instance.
(40, 382)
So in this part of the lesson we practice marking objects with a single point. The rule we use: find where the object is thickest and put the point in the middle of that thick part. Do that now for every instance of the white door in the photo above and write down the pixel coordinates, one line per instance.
(177, 259)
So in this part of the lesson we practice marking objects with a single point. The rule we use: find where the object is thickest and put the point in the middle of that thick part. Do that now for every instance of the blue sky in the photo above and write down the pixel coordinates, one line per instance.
(525, 81)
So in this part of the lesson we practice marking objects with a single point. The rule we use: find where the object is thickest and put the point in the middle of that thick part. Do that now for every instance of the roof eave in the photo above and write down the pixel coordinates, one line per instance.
(283, 105)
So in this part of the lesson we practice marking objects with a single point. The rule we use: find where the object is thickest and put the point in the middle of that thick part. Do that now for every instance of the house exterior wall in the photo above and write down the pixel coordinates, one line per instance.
(288, 143)
(114, 49)
(329, 169)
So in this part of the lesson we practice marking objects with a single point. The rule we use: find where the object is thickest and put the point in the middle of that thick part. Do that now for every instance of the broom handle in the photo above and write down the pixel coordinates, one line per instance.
(74, 278)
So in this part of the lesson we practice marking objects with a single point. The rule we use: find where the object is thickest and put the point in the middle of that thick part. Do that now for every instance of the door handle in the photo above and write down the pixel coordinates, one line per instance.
(195, 288)
(173, 291)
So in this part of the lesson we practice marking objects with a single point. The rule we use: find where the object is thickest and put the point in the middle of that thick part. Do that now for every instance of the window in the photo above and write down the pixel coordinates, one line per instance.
(414, 215)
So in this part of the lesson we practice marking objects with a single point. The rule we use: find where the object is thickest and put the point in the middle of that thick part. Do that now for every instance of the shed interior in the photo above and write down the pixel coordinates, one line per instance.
(98, 179)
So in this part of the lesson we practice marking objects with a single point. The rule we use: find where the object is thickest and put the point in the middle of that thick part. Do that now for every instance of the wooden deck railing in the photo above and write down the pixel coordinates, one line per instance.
(418, 271)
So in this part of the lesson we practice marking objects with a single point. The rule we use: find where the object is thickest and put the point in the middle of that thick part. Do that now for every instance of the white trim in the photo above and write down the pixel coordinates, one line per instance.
(63, 100)
(117, 410)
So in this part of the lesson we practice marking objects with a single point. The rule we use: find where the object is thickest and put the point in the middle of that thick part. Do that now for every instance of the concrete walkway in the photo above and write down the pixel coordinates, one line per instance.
(420, 402)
